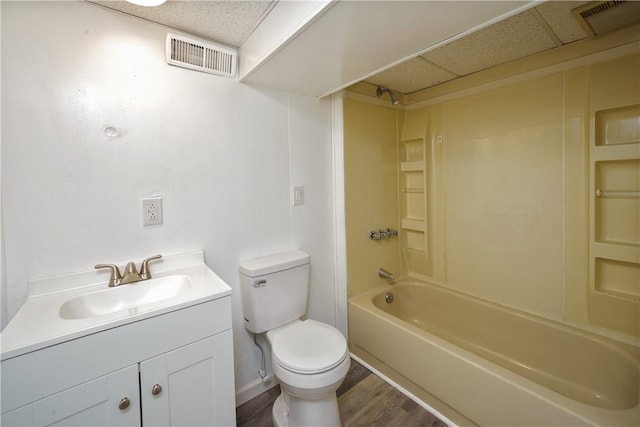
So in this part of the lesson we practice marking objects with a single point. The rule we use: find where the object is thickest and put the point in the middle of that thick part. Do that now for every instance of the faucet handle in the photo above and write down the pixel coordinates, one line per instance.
(115, 278)
(144, 268)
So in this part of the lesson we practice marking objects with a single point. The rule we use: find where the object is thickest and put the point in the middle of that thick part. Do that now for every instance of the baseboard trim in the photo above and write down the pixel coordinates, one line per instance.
(254, 389)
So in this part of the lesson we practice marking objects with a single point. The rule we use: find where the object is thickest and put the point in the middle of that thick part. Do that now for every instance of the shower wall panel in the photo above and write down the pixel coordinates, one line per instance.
(527, 195)
(504, 195)
(371, 191)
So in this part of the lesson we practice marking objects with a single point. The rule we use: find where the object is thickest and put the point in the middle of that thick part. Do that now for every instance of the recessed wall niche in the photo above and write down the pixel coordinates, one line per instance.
(618, 202)
(618, 278)
(618, 126)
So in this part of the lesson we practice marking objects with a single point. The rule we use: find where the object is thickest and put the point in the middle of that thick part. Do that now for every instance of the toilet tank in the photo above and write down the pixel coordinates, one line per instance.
(274, 290)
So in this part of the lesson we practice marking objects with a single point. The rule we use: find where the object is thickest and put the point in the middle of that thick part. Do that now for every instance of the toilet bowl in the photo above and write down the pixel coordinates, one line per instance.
(309, 358)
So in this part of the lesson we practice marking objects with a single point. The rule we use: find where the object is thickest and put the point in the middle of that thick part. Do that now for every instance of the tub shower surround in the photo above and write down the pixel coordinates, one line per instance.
(518, 213)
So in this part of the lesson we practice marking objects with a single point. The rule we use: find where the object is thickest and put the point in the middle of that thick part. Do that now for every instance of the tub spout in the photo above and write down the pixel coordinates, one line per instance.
(385, 274)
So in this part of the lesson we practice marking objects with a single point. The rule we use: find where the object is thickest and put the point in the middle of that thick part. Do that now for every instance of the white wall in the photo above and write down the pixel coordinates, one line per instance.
(224, 156)
(4, 314)
(312, 227)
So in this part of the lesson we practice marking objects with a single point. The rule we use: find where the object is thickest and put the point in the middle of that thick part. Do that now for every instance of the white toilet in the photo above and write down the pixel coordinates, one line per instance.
(309, 358)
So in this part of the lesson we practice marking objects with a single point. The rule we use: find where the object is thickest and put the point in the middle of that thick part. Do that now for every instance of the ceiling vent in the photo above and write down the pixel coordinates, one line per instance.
(198, 55)
(599, 17)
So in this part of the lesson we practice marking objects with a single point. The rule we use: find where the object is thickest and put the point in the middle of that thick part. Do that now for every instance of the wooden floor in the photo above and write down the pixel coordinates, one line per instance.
(364, 400)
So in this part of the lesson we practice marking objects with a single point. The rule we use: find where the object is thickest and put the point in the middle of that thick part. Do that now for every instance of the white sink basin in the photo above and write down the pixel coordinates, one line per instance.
(124, 297)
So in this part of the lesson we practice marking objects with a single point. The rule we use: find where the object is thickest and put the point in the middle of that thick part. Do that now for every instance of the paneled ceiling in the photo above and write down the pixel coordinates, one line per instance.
(546, 26)
(228, 22)
(543, 27)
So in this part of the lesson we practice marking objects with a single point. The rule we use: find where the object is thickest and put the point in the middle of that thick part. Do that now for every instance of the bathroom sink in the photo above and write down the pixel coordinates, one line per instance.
(68, 306)
(124, 297)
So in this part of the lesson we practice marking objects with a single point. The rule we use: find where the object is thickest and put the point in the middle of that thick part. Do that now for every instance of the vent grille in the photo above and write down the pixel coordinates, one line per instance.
(601, 17)
(197, 55)
(600, 8)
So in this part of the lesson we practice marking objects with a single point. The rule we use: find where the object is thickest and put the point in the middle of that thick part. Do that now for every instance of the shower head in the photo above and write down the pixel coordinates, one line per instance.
(394, 98)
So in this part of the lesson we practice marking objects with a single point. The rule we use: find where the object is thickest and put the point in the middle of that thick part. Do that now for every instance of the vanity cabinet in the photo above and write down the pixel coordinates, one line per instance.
(95, 402)
(175, 369)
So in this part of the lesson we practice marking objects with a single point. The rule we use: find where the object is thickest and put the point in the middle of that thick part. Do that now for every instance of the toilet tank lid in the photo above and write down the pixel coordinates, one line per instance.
(272, 263)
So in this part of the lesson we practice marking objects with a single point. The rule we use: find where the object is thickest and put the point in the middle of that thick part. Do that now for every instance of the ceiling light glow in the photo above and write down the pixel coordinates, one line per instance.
(147, 3)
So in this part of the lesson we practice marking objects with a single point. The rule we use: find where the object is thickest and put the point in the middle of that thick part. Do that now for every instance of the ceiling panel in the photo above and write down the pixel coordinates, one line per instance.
(515, 37)
(558, 16)
(412, 75)
(228, 22)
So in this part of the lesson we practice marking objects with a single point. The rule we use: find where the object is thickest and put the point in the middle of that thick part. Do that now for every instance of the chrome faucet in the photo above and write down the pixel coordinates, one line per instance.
(131, 274)
(385, 274)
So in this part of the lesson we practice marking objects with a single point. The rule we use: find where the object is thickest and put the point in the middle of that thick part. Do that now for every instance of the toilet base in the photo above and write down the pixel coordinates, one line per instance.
(280, 412)
(289, 411)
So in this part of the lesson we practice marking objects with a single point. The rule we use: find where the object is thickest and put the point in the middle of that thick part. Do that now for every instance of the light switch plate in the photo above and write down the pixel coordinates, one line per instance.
(298, 196)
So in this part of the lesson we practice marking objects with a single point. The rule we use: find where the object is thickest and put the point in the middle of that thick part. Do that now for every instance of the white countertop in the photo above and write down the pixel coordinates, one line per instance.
(38, 323)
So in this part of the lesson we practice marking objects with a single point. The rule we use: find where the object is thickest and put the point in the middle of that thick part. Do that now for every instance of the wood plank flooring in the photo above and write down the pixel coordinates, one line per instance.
(364, 400)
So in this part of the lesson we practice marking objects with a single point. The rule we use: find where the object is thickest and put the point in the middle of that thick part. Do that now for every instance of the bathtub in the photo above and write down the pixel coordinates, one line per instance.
(493, 365)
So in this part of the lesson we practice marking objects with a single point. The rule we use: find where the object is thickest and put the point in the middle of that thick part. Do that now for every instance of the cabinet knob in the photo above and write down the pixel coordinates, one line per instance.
(124, 403)
(156, 389)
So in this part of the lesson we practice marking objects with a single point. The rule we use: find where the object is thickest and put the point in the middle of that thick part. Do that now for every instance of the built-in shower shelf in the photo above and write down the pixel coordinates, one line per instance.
(628, 252)
(618, 279)
(413, 205)
(617, 202)
(412, 166)
(617, 193)
(615, 152)
(413, 190)
(412, 224)
(615, 208)
(617, 126)
(412, 150)
(415, 251)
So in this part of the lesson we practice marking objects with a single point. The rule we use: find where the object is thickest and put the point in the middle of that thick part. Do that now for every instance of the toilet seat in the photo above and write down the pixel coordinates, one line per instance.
(308, 347)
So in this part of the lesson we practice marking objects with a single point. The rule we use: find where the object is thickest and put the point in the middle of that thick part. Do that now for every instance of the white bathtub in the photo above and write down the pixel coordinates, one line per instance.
(494, 365)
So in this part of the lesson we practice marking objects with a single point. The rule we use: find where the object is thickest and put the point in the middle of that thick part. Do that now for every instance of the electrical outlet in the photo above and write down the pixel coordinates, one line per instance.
(152, 211)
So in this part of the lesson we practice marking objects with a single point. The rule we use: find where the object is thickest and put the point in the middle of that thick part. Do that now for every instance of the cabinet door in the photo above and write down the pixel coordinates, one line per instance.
(190, 386)
(94, 403)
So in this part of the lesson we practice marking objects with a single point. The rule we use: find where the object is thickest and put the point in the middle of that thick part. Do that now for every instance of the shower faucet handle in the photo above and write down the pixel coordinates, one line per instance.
(383, 234)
